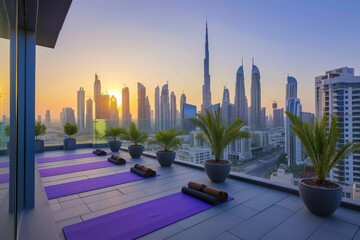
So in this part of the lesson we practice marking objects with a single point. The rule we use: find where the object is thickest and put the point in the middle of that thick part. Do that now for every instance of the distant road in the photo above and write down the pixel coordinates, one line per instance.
(261, 166)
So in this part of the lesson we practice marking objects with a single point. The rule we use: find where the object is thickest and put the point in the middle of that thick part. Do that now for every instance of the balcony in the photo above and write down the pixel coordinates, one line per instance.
(257, 212)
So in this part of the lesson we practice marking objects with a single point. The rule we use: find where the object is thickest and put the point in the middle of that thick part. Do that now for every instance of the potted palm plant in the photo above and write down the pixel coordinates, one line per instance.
(69, 142)
(168, 142)
(136, 136)
(40, 129)
(112, 134)
(321, 196)
(217, 135)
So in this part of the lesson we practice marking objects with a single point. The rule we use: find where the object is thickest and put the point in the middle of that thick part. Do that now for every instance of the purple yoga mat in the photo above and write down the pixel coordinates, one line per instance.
(4, 164)
(80, 186)
(138, 220)
(64, 157)
(4, 178)
(74, 168)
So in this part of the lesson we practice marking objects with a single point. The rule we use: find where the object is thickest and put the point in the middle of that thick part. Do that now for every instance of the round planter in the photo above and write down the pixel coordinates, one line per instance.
(320, 201)
(217, 172)
(70, 144)
(165, 159)
(114, 145)
(135, 151)
(39, 146)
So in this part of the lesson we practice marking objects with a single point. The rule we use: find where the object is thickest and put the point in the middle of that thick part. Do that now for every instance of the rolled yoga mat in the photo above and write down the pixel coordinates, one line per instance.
(66, 189)
(138, 220)
(4, 164)
(64, 157)
(74, 168)
(4, 178)
(200, 195)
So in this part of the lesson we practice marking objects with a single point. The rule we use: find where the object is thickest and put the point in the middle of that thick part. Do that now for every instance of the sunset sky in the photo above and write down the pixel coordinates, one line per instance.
(155, 41)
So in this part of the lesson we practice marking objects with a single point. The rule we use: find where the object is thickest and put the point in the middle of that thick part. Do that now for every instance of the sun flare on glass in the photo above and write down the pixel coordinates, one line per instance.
(116, 94)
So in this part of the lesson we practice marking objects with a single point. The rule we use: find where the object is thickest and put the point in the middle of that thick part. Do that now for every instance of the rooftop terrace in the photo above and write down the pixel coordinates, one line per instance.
(255, 213)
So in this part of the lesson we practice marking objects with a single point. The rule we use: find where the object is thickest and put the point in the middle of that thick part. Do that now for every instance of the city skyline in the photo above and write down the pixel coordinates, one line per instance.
(166, 47)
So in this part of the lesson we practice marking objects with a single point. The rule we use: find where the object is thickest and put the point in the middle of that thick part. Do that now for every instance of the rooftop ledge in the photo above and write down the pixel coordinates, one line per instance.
(261, 208)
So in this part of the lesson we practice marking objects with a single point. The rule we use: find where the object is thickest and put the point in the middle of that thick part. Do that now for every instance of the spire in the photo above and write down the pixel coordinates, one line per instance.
(242, 61)
(253, 61)
(206, 37)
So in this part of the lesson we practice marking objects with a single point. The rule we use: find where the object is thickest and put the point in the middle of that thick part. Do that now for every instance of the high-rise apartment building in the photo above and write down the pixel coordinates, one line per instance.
(97, 94)
(293, 146)
(278, 116)
(255, 98)
(125, 111)
(206, 93)
(67, 116)
(114, 112)
(182, 101)
(157, 109)
(240, 98)
(164, 108)
(173, 116)
(338, 92)
(227, 108)
(141, 105)
(189, 112)
(81, 108)
(47, 118)
(263, 118)
(147, 120)
(89, 114)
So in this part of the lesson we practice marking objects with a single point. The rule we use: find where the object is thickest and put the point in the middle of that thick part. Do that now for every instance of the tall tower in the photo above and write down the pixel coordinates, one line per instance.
(114, 112)
(125, 114)
(147, 119)
(89, 114)
(157, 109)
(172, 110)
(182, 102)
(141, 105)
(81, 109)
(47, 118)
(97, 94)
(293, 146)
(164, 108)
(206, 94)
(255, 98)
(240, 98)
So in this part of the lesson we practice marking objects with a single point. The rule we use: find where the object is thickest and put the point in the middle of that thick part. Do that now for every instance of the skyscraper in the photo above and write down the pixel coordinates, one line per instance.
(147, 120)
(227, 108)
(67, 116)
(81, 109)
(278, 116)
(172, 110)
(125, 114)
(141, 105)
(114, 112)
(293, 146)
(164, 108)
(240, 98)
(157, 109)
(47, 118)
(97, 94)
(255, 98)
(337, 92)
(189, 111)
(182, 101)
(206, 94)
(89, 114)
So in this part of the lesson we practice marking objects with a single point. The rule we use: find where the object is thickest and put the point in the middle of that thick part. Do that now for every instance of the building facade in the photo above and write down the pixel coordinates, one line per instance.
(81, 108)
(255, 117)
(206, 93)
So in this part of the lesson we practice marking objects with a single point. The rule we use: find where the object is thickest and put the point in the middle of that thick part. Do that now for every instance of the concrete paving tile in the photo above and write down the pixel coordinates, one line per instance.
(101, 196)
(227, 236)
(70, 213)
(55, 207)
(328, 234)
(264, 200)
(72, 203)
(67, 198)
(67, 222)
(163, 233)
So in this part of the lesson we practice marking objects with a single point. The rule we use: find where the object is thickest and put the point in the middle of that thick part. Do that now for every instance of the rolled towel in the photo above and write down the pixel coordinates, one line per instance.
(220, 195)
(200, 195)
(139, 172)
(147, 170)
(99, 152)
(116, 160)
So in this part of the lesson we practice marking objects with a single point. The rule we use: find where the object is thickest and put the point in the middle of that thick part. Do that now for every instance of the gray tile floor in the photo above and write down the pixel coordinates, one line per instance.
(255, 213)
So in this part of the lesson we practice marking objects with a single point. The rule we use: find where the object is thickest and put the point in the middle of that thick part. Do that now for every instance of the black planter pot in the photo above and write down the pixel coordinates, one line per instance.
(217, 172)
(135, 151)
(39, 146)
(165, 159)
(114, 145)
(320, 201)
(70, 144)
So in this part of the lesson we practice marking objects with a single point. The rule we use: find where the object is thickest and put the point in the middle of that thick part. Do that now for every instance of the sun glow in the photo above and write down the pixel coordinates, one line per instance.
(116, 94)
